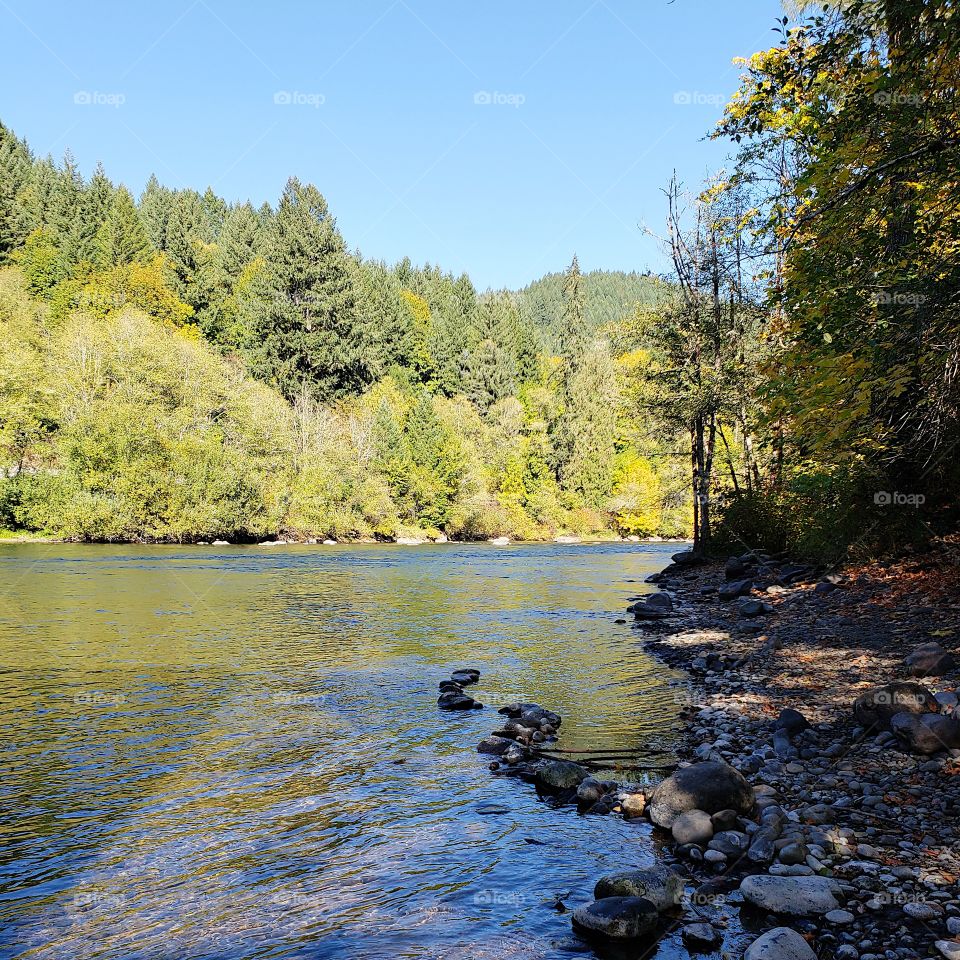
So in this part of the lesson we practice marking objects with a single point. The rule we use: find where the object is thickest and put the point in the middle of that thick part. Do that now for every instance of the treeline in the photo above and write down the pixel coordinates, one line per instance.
(815, 316)
(178, 368)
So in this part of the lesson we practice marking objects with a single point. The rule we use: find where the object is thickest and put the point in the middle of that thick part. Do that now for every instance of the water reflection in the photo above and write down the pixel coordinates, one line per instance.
(236, 753)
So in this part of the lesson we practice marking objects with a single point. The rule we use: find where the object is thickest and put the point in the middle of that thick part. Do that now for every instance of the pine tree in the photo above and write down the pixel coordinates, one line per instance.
(15, 172)
(304, 327)
(383, 316)
(575, 333)
(122, 237)
(156, 206)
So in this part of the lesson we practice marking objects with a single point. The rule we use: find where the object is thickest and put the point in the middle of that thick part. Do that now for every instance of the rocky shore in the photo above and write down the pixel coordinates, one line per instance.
(814, 808)
(834, 696)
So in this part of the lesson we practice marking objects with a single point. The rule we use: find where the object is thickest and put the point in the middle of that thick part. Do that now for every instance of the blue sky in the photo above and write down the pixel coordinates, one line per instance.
(496, 138)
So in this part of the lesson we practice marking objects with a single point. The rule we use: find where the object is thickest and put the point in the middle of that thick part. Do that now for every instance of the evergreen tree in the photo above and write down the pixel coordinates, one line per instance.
(122, 237)
(383, 316)
(304, 328)
(575, 334)
(15, 173)
(156, 207)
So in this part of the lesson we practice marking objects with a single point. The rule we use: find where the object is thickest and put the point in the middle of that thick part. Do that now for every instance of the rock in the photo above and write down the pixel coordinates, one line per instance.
(657, 606)
(494, 745)
(500, 541)
(694, 826)
(555, 775)
(927, 733)
(949, 948)
(734, 568)
(734, 589)
(660, 885)
(700, 936)
(793, 853)
(401, 541)
(725, 820)
(221, 543)
(452, 700)
(491, 808)
(796, 896)
(633, 804)
(751, 608)
(841, 917)
(534, 716)
(589, 792)
(791, 722)
(923, 911)
(465, 677)
(763, 845)
(730, 842)
(781, 943)
(930, 660)
(618, 918)
(709, 786)
(513, 710)
(686, 558)
(874, 709)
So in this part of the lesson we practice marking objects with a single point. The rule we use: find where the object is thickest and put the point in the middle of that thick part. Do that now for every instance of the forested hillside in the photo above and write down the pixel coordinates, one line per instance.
(180, 368)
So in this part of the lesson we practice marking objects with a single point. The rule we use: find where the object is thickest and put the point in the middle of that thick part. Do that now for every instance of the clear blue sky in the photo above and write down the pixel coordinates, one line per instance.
(581, 129)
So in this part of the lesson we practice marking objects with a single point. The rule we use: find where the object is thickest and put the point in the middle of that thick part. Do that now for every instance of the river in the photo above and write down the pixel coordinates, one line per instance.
(235, 752)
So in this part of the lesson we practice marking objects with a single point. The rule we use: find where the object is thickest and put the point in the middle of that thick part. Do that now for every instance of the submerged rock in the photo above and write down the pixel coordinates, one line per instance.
(618, 918)
(711, 787)
(660, 885)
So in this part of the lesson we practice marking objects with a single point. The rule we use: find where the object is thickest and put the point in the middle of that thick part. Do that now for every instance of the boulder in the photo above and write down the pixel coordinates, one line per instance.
(781, 943)
(930, 660)
(926, 733)
(657, 606)
(795, 896)
(734, 589)
(660, 885)
(686, 558)
(494, 745)
(616, 918)
(534, 716)
(554, 775)
(712, 786)
(874, 709)
(513, 710)
(694, 826)
(735, 569)
(749, 608)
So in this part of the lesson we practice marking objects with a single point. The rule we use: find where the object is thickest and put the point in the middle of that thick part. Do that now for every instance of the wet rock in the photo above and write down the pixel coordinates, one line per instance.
(535, 716)
(930, 660)
(589, 792)
(660, 885)
(781, 943)
(927, 733)
(465, 676)
(874, 709)
(657, 606)
(554, 775)
(447, 686)
(795, 896)
(633, 804)
(494, 745)
(709, 786)
(694, 826)
(452, 700)
(700, 936)
(616, 918)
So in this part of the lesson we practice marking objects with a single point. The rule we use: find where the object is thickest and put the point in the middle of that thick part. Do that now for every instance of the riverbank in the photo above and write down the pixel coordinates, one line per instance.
(869, 805)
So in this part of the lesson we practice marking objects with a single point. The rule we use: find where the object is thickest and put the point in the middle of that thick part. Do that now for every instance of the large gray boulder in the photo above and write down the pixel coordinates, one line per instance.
(781, 943)
(657, 606)
(794, 896)
(555, 775)
(875, 709)
(660, 885)
(926, 733)
(616, 918)
(712, 786)
(694, 826)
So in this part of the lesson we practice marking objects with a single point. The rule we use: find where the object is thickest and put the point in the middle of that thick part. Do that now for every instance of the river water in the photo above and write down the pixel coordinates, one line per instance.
(235, 752)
